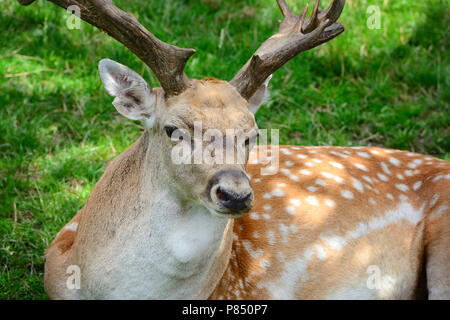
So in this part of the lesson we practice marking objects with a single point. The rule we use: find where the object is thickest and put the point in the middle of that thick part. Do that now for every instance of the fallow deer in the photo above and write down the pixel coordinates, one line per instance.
(317, 229)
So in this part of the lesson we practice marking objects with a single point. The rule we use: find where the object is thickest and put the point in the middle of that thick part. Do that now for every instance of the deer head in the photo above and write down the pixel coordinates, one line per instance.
(172, 112)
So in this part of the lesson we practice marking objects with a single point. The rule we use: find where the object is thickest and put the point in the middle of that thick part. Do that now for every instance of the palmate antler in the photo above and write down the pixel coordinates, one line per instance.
(167, 61)
(296, 34)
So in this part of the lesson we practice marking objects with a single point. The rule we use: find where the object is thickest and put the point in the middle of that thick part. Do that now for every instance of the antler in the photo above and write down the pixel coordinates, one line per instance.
(296, 34)
(167, 61)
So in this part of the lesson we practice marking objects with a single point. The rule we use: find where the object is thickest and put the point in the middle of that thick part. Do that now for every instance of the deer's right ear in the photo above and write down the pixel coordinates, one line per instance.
(133, 97)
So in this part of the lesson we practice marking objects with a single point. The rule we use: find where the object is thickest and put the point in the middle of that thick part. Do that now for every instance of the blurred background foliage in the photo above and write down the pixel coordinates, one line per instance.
(58, 130)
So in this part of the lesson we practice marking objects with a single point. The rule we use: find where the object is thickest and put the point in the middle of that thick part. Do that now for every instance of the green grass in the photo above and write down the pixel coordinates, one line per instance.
(58, 129)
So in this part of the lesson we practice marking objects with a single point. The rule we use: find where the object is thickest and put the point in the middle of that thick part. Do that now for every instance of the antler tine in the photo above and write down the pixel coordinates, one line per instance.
(313, 21)
(283, 7)
(333, 12)
(302, 18)
(296, 34)
(167, 61)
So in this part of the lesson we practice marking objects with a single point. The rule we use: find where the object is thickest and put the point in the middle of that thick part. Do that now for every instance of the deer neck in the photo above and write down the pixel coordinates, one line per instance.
(190, 248)
(174, 248)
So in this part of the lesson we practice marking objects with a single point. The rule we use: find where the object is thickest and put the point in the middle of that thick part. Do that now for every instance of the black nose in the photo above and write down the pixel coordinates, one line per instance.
(232, 201)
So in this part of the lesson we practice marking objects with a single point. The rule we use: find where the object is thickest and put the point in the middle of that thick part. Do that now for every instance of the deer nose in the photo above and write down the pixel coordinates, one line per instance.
(230, 190)
(232, 201)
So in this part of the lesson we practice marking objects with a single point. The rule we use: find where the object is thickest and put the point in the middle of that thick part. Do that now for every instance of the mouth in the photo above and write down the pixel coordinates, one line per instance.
(224, 215)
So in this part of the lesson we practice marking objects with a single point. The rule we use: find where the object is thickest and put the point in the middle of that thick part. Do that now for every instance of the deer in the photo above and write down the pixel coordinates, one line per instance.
(329, 223)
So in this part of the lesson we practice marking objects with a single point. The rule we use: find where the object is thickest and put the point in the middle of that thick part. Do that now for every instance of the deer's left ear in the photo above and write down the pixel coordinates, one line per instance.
(260, 97)
(133, 97)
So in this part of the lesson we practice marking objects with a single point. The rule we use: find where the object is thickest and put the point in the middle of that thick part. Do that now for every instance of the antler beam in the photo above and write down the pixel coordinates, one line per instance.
(296, 34)
(167, 61)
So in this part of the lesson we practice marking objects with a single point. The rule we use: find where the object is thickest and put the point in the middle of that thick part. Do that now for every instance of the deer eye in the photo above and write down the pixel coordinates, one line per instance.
(169, 131)
(251, 140)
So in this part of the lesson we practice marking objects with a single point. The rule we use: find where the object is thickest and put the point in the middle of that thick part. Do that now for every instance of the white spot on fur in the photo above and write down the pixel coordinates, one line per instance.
(336, 165)
(412, 165)
(347, 194)
(439, 211)
(338, 179)
(334, 242)
(293, 228)
(312, 201)
(278, 193)
(330, 203)
(369, 180)
(394, 161)
(320, 182)
(269, 170)
(284, 232)
(385, 168)
(305, 172)
(402, 187)
(289, 163)
(363, 154)
(254, 215)
(332, 176)
(291, 210)
(434, 199)
(417, 185)
(327, 175)
(320, 251)
(253, 253)
(358, 185)
(271, 237)
(338, 154)
(408, 173)
(361, 167)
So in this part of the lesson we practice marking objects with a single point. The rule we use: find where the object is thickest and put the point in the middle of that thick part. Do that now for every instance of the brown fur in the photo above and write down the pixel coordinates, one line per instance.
(400, 249)
(403, 250)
